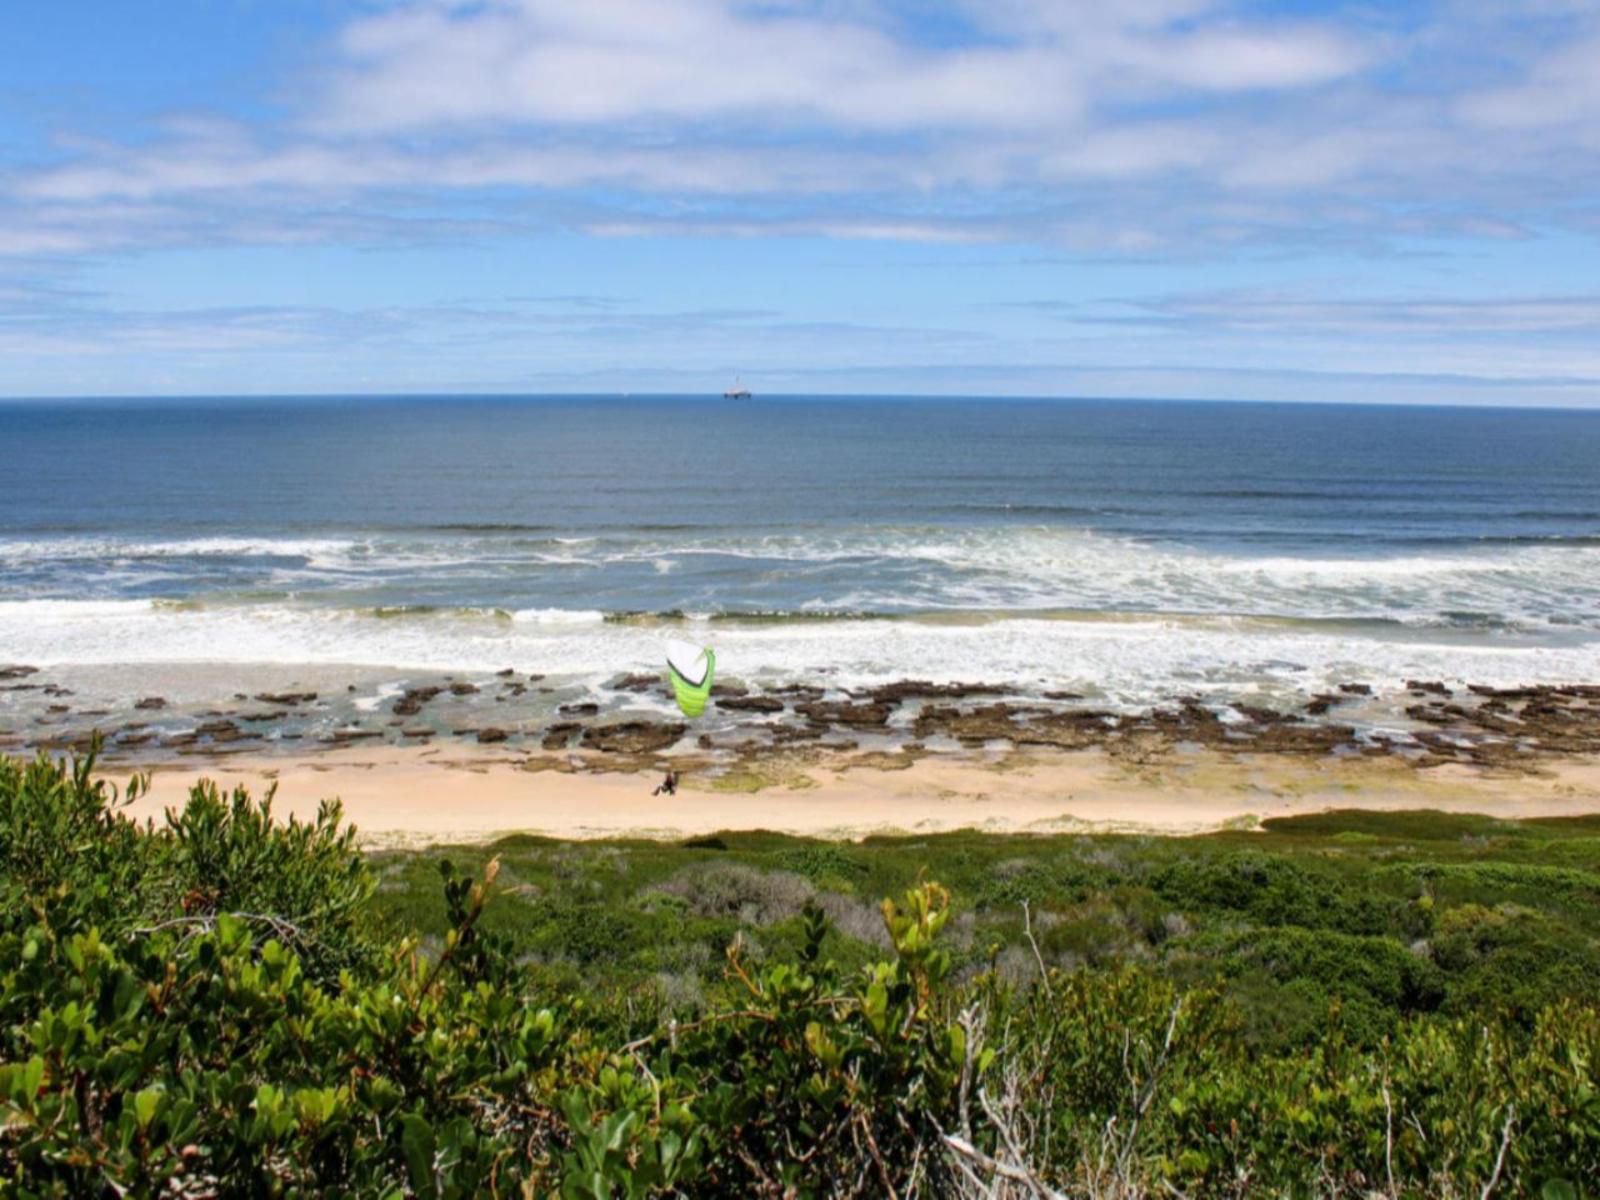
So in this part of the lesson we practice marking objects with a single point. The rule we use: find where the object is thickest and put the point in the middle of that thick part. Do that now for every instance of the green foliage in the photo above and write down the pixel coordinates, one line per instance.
(203, 1008)
(1272, 890)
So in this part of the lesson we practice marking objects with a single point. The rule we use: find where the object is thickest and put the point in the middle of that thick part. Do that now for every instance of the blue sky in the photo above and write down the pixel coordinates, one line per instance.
(1320, 201)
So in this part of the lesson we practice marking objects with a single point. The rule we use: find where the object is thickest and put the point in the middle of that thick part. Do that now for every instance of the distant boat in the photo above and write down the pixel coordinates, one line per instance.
(737, 392)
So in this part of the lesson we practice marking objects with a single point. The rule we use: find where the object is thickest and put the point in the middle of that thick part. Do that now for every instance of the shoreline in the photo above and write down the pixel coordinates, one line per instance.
(142, 714)
(401, 797)
(469, 758)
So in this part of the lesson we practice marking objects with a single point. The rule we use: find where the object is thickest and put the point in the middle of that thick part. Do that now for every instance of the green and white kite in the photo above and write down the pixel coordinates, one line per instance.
(691, 668)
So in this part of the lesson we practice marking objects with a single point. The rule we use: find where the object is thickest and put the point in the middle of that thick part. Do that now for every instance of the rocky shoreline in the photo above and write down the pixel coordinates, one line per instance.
(632, 724)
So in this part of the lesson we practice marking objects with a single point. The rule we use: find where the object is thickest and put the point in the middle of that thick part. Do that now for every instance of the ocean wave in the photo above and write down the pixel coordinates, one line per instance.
(1135, 659)
(559, 616)
(1525, 583)
(88, 548)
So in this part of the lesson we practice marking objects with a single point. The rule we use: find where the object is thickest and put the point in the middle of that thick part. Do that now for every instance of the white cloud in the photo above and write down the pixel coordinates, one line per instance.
(1314, 312)
(1562, 89)
(1171, 125)
(652, 61)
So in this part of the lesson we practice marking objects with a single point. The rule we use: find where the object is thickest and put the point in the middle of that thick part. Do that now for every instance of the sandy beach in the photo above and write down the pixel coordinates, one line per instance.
(419, 762)
(399, 796)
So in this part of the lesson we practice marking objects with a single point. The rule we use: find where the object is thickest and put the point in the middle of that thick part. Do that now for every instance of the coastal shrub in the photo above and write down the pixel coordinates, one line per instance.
(149, 1050)
(1367, 983)
(1524, 882)
(822, 861)
(731, 889)
(303, 880)
(1032, 881)
(1273, 890)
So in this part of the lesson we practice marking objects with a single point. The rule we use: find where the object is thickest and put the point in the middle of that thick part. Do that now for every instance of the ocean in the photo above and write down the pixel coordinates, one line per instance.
(1128, 551)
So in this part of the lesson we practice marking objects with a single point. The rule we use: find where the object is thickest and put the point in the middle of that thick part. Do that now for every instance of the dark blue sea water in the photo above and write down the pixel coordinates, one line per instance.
(1133, 547)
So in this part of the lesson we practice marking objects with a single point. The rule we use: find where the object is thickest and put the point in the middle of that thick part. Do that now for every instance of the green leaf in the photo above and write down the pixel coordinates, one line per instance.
(416, 1140)
(145, 1104)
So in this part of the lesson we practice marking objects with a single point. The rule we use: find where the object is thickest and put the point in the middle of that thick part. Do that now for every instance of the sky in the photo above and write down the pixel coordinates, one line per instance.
(1373, 201)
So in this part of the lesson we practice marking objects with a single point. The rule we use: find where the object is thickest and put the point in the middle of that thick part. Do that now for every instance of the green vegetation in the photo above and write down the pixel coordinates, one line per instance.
(1401, 1005)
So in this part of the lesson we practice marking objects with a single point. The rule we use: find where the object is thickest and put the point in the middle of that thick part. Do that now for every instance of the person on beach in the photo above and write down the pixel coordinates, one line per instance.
(668, 786)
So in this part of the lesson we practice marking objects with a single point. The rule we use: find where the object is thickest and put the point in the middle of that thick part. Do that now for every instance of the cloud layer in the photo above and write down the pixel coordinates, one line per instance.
(1028, 121)
(1169, 131)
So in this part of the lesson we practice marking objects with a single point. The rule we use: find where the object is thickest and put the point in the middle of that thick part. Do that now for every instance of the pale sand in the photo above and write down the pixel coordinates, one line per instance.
(414, 796)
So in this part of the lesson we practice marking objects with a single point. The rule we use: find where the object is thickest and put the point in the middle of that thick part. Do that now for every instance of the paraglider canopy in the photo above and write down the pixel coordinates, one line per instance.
(690, 668)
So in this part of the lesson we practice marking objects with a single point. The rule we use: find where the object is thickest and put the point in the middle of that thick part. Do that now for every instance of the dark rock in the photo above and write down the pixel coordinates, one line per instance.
(921, 689)
(585, 709)
(59, 708)
(410, 704)
(151, 702)
(559, 735)
(289, 698)
(760, 704)
(340, 737)
(1065, 731)
(261, 717)
(1429, 714)
(704, 741)
(492, 735)
(1428, 687)
(719, 690)
(416, 733)
(506, 674)
(1302, 739)
(633, 737)
(463, 689)
(986, 723)
(1264, 716)
(17, 672)
(839, 712)
(784, 734)
(78, 743)
(633, 683)
(803, 690)
(1063, 695)
(1356, 689)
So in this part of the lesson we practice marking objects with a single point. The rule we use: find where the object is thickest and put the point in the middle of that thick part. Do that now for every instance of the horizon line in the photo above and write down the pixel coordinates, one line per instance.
(757, 397)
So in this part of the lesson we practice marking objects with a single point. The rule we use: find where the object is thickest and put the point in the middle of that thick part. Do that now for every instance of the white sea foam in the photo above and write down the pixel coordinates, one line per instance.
(893, 569)
(558, 616)
(1132, 662)
(1506, 614)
